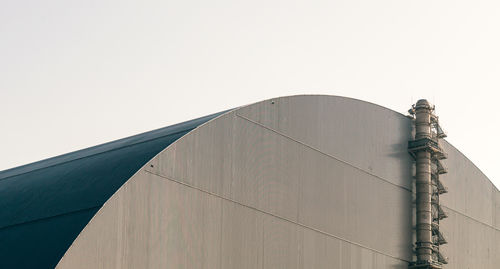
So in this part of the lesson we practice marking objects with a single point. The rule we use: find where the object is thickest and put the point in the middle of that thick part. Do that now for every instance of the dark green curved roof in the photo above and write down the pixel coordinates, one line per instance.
(46, 204)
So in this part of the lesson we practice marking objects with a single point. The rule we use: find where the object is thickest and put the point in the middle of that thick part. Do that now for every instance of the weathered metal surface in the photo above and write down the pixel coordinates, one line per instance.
(300, 182)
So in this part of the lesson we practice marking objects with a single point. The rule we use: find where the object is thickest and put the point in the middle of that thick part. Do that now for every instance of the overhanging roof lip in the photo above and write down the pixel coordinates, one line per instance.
(105, 147)
(42, 172)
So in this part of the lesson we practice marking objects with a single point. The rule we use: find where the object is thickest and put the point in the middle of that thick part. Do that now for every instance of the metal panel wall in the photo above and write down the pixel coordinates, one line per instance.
(295, 182)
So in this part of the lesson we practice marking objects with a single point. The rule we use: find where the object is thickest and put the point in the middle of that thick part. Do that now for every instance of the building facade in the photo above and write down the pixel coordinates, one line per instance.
(293, 182)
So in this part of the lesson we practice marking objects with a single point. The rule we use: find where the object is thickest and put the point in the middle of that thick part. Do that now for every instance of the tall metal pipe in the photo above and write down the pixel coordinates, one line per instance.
(423, 184)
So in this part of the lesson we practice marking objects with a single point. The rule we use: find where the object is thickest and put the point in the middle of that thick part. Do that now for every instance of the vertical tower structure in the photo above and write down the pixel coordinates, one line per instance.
(428, 154)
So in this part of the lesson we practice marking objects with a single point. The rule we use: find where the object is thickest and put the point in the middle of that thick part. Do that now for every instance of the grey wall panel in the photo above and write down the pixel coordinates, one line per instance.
(351, 204)
(154, 222)
(242, 237)
(266, 170)
(202, 159)
(151, 223)
(471, 244)
(240, 161)
(306, 182)
(282, 243)
(278, 175)
(287, 245)
(496, 211)
(470, 191)
(368, 136)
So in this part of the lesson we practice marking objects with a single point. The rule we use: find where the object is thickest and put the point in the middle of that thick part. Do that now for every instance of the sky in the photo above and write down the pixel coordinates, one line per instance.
(74, 74)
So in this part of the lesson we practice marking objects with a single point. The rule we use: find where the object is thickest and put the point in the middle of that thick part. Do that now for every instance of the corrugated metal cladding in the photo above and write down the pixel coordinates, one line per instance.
(296, 182)
(45, 205)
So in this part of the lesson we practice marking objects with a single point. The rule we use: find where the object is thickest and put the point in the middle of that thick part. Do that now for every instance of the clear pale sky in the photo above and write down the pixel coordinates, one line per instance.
(74, 74)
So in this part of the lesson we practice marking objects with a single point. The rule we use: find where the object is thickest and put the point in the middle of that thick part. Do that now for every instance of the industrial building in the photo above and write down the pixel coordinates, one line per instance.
(295, 182)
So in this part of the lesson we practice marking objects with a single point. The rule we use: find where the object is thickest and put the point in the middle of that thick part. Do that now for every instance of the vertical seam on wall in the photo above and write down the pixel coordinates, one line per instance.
(220, 236)
(263, 249)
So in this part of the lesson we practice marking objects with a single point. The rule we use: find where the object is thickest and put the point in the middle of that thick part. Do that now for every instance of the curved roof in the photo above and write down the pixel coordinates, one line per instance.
(291, 182)
(46, 204)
